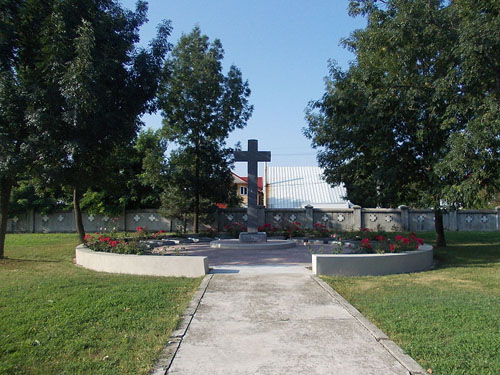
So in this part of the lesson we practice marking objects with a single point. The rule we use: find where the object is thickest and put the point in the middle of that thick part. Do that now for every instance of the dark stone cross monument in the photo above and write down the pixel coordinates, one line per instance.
(252, 156)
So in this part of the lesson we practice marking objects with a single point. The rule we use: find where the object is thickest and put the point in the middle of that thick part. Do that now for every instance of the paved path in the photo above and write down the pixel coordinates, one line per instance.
(299, 255)
(279, 323)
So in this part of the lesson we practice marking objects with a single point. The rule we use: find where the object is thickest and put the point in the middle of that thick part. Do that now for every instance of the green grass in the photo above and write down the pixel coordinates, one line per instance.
(448, 319)
(58, 318)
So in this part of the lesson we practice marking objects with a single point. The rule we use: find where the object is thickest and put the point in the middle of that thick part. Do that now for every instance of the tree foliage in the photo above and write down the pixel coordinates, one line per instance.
(139, 176)
(414, 120)
(201, 106)
(72, 87)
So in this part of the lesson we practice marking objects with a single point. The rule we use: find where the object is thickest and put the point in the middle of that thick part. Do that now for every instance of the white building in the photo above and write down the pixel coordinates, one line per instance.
(297, 187)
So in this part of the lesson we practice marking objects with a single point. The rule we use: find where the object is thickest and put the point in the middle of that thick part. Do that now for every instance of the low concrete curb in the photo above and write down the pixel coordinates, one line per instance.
(409, 363)
(175, 340)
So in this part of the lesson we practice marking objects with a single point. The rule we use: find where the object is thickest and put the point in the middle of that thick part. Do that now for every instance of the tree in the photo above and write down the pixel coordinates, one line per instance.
(106, 84)
(139, 176)
(401, 93)
(72, 86)
(473, 160)
(24, 139)
(215, 184)
(201, 107)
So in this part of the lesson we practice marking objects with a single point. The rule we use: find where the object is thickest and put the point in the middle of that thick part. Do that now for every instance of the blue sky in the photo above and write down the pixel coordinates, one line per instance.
(281, 47)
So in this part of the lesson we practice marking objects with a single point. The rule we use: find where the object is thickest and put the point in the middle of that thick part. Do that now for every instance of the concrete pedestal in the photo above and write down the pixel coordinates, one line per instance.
(256, 237)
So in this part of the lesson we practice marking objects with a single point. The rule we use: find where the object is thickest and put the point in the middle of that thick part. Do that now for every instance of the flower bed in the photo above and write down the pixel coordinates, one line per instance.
(368, 244)
(151, 265)
(133, 244)
(420, 259)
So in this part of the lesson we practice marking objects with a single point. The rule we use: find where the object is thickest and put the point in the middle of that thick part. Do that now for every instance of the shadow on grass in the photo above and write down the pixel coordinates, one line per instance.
(7, 260)
(474, 255)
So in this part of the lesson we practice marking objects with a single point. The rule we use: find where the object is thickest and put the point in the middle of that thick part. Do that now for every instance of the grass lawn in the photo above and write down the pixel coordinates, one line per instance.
(448, 319)
(58, 318)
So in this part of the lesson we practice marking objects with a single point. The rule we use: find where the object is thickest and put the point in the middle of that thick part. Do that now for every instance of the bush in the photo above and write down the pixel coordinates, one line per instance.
(294, 229)
(234, 229)
(268, 228)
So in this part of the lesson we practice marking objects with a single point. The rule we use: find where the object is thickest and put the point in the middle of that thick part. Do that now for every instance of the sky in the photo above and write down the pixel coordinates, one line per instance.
(282, 48)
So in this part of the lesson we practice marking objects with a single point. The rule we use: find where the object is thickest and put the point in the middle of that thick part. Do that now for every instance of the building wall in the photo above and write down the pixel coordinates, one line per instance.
(245, 196)
(346, 219)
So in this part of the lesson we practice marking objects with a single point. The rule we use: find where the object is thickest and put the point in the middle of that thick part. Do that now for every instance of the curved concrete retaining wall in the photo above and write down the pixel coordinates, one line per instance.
(373, 264)
(151, 265)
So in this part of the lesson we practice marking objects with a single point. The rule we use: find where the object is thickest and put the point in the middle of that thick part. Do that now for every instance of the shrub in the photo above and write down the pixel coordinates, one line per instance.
(268, 228)
(319, 231)
(294, 229)
(234, 229)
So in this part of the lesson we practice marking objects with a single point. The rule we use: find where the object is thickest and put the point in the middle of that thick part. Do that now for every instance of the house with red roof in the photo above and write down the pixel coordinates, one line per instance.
(242, 189)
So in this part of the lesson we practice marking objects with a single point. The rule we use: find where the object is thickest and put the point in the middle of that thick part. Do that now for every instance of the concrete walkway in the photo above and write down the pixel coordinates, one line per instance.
(264, 322)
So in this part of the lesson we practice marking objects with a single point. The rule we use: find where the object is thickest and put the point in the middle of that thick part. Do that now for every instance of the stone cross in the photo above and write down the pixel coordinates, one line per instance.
(252, 156)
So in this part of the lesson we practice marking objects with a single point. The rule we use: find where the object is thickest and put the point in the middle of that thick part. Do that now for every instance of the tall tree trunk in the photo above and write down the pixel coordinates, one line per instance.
(438, 225)
(78, 215)
(5, 189)
(197, 189)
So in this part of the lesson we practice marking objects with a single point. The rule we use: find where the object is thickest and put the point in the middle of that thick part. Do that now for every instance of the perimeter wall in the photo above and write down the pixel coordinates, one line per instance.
(356, 218)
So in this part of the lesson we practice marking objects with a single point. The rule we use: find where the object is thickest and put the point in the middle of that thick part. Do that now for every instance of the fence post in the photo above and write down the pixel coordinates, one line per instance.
(405, 218)
(30, 221)
(261, 216)
(453, 220)
(309, 222)
(358, 220)
(124, 229)
(219, 219)
(498, 217)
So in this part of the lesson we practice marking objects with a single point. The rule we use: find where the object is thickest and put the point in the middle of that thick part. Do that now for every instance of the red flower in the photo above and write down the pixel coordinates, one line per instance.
(88, 237)
(139, 229)
(392, 247)
(399, 238)
(380, 238)
(114, 243)
(405, 240)
(365, 242)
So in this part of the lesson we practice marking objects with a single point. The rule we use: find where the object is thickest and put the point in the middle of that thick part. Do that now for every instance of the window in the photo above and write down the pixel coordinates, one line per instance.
(243, 190)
